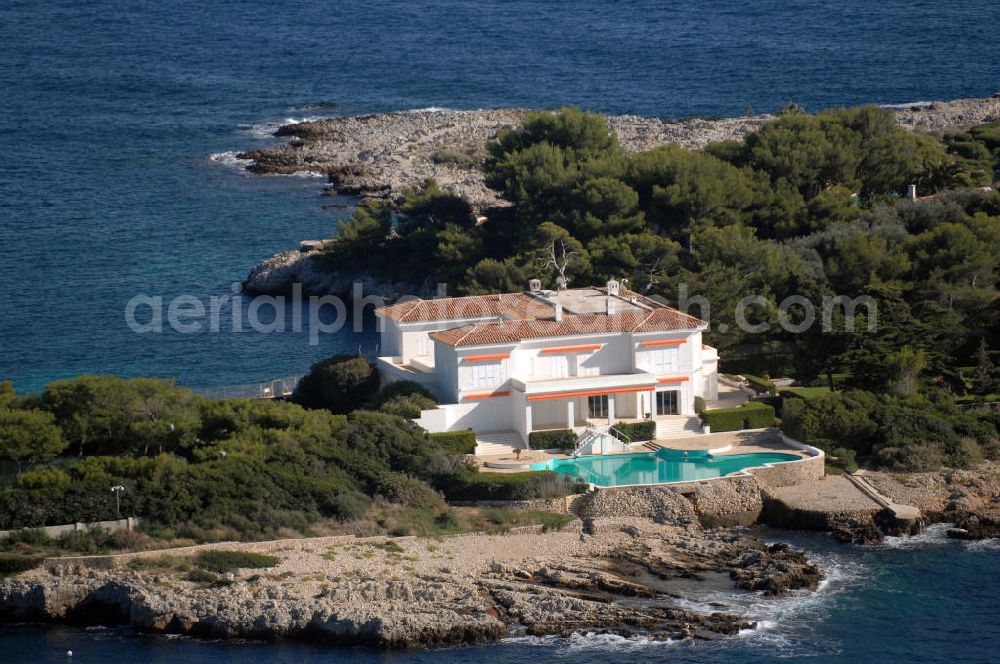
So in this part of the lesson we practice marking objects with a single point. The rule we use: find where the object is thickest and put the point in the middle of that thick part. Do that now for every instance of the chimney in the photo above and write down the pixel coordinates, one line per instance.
(911, 192)
(613, 288)
(535, 285)
(558, 307)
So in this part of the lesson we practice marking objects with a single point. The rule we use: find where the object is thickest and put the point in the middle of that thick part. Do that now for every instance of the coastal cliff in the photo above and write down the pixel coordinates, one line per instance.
(609, 575)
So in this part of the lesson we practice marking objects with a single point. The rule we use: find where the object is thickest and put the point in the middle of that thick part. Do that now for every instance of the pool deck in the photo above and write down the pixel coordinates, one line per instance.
(734, 442)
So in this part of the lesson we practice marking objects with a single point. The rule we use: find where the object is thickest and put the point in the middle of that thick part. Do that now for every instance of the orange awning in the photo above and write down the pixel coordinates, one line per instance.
(571, 349)
(664, 342)
(486, 358)
(487, 395)
(591, 393)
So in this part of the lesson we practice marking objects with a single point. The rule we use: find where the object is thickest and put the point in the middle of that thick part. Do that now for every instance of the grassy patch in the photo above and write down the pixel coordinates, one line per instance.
(165, 562)
(10, 565)
(223, 561)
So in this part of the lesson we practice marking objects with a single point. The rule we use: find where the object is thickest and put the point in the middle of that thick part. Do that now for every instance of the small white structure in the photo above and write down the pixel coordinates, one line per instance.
(580, 359)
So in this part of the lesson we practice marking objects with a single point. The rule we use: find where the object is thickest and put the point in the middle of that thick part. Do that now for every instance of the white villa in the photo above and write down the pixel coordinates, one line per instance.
(582, 359)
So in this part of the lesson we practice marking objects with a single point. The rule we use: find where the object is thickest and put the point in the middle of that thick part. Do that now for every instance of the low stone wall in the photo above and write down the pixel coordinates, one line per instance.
(128, 523)
(564, 504)
(788, 473)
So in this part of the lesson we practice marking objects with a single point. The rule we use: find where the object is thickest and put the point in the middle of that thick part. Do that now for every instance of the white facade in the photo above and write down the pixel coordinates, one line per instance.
(557, 367)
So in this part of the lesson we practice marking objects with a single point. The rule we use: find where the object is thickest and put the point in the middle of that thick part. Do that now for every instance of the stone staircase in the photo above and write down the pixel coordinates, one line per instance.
(677, 426)
(498, 442)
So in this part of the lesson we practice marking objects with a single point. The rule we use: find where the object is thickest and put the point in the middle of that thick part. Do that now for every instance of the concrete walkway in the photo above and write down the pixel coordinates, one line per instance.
(835, 493)
(902, 511)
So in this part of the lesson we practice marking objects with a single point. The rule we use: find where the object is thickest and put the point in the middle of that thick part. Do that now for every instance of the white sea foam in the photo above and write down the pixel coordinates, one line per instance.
(230, 159)
(430, 109)
(905, 106)
(935, 535)
(267, 128)
(984, 545)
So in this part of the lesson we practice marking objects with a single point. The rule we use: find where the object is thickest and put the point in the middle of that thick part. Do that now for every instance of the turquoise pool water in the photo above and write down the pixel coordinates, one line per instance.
(658, 467)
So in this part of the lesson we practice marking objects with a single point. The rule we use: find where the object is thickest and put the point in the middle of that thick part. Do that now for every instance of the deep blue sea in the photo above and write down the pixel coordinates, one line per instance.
(110, 113)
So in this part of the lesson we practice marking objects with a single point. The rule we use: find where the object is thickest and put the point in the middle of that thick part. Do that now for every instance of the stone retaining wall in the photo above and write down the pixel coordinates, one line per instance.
(788, 473)
(563, 504)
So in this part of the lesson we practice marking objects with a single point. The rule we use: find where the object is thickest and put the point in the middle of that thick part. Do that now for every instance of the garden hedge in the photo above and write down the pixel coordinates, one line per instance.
(638, 431)
(753, 415)
(456, 442)
(556, 439)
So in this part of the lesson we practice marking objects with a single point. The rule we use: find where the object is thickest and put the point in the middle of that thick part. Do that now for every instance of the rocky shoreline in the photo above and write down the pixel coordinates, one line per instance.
(379, 156)
(619, 568)
(600, 574)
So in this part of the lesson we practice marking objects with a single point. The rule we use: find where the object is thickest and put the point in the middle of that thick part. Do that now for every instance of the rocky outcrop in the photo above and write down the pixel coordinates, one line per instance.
(278, 274)
(414, 592)
(379, 155)
(735, 502)
(968, 498)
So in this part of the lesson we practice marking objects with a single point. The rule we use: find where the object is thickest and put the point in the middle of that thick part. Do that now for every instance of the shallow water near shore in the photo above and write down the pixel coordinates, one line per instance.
(927, 599)
(111, 113)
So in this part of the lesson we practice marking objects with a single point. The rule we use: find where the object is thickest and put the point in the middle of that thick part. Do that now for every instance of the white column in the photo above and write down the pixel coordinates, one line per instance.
(527, 421)
(611, 409)
(570, 419)
(652, 404)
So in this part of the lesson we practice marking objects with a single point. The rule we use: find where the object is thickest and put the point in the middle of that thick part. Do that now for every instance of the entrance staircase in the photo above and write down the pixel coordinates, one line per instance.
(677, 426)
(498, 442)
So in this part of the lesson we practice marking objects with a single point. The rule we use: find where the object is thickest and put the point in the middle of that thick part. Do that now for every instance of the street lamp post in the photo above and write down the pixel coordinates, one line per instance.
(117, 490)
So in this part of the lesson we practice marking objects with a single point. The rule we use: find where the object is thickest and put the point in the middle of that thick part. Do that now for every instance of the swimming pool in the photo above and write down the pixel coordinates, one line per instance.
(658, 467)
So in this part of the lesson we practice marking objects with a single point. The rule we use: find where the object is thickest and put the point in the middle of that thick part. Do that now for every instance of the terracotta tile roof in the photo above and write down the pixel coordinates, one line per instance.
(663, 319)
(473, 306)
(512, 317)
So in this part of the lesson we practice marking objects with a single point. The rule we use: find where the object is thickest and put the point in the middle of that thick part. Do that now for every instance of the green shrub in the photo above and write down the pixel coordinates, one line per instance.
(505, 518)
(28, 536)
(556, 439)
(341, 384)
(699, 405)
(447, 519)
(843, 459)
(456, 442)
(222, 561)
(43, 478)
(404, 398)
(10, 565)
(637, 431)
(406, 490)
(201, 576)
(83, 541)
(753, 415)
(513, 486)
